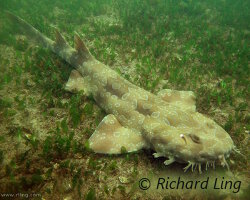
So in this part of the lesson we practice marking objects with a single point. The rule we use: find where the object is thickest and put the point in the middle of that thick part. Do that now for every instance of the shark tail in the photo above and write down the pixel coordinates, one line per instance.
(73, 56)
(29, 31)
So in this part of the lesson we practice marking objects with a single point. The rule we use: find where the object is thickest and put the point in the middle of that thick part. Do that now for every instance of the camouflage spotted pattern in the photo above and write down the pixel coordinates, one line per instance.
(167, 122)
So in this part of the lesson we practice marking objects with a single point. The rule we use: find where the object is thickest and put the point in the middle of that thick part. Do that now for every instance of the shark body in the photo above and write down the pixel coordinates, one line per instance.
(167, 122)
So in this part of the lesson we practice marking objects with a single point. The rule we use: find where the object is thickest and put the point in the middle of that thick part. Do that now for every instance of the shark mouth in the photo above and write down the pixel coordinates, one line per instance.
(194, 165)
(221, 160)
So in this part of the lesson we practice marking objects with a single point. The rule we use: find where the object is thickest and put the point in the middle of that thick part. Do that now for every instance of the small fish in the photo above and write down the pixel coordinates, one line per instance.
(168, 122)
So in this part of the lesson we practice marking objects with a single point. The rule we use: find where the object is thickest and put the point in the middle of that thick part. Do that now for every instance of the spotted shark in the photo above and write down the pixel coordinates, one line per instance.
(167, 122)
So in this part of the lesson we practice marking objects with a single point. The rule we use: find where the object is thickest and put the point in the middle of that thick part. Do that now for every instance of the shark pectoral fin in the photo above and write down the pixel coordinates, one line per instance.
(182, 99)
(110, 137)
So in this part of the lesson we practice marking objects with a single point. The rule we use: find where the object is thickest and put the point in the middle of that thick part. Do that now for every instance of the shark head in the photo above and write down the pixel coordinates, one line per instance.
(199, 142)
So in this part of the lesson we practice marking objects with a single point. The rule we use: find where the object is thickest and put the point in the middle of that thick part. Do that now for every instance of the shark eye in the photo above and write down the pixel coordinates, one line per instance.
(183, 137)
(195, 138)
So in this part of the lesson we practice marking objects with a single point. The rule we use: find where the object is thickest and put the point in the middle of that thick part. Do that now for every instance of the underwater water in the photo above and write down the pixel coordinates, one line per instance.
(198, 46)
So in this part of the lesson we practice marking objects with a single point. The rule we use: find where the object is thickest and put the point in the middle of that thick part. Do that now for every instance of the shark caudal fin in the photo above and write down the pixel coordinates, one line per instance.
(30, 32)
(74, 56)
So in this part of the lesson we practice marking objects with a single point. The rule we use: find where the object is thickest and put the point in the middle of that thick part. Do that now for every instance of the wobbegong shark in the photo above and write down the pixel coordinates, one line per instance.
(167, 123)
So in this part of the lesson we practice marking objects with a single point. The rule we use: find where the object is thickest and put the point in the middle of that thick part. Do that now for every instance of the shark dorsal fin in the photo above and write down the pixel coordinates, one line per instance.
(80, 46)
(60, 41)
